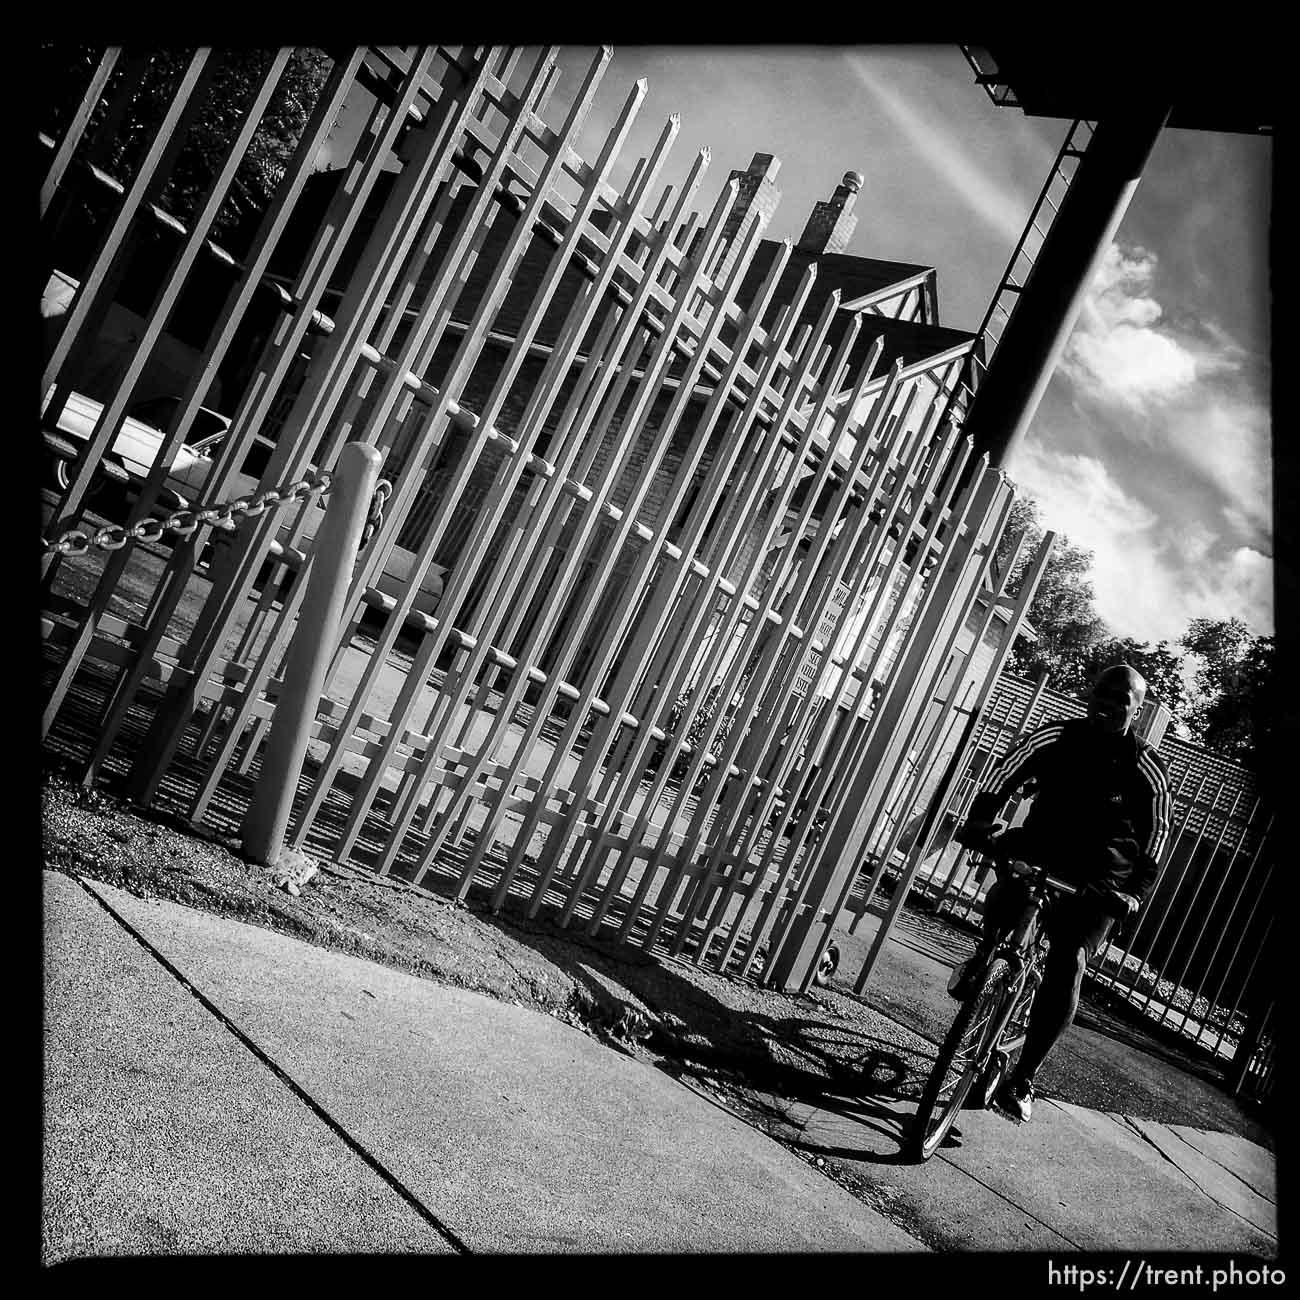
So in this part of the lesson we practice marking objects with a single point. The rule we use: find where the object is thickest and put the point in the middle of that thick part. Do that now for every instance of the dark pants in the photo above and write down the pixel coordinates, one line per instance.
(1076, 927)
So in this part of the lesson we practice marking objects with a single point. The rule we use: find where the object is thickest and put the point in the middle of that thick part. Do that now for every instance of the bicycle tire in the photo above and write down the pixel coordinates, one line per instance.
(968, 1032)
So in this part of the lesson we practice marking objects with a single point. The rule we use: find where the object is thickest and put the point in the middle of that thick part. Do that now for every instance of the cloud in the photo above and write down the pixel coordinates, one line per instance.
(1225, 438)
(946, 154)
(1117, 351)
(1151, 573)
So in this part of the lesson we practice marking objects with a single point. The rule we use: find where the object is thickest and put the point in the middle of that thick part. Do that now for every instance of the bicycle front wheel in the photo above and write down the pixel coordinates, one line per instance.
(965, 1052)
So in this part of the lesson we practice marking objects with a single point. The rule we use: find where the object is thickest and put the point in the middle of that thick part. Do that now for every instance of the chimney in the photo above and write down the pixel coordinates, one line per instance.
(756, 200)
(832, 223)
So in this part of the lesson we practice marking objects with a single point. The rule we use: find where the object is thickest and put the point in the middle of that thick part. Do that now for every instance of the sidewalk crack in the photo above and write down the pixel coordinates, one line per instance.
(1209, 1196)
(301, 1093)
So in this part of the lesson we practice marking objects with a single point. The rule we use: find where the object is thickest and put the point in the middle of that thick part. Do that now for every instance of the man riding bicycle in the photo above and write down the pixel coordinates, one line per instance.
(1099, 819)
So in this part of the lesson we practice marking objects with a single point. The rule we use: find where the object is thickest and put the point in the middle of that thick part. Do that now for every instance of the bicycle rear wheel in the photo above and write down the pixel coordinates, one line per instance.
(962, 1059)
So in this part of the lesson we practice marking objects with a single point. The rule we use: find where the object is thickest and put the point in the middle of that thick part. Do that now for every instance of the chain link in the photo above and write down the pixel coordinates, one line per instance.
(183, 522)
(375, 517)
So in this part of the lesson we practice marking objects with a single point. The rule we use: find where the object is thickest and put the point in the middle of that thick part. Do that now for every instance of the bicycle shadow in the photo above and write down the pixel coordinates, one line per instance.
(868, 1121)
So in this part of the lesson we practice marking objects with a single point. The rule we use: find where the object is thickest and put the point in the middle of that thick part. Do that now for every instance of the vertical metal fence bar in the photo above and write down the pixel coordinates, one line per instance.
(1223, 930)
(634, 427)
(903, 697)
(1258, 895)
(111, 417)
(77, 125)
(409, 203)
(366, 294)
(963, 855)
(624, 767)
(1242, 1066)
(1028, 586)
(1196, 893)
(701, 625)
(416, 193)
(692, 611)
(173, 581)
(109, 253)
(673, 565)
(864, 565)
(1182, 876)
(131, 71)
(871, 533)
(613, 337)
(957, 628)
(91, 302)
(452, 593)
(540, 401)
(651, 554)
(1168, 855)
(1209, 911)
(568, 438)
(292, 449)
(920, 768)
(756, 621)
(822, 565)
(821, 730)
(832, 382)
(844, 735)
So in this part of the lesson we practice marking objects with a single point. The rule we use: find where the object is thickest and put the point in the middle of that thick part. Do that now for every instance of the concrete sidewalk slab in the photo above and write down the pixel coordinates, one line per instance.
(165, 1135)
(1070, 1178)
(1212, 1166)
(516, 1131)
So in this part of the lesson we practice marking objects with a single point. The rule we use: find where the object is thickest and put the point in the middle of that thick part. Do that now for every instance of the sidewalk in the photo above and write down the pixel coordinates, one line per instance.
(300, 1100)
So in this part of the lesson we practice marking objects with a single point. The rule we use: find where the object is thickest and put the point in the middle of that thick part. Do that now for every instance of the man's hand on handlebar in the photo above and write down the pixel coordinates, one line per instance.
(978, 835)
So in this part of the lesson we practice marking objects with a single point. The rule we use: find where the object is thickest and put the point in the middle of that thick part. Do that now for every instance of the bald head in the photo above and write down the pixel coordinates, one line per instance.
(1117, 695)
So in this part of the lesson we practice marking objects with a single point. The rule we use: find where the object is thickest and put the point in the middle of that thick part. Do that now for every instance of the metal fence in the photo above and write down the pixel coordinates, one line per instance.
(684, 542)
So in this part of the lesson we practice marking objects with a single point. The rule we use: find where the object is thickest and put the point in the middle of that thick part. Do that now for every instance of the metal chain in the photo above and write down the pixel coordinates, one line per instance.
(375, 517)
(184, 522)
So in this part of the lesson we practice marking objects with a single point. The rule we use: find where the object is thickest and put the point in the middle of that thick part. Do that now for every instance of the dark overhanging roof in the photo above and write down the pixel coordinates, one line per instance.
(1220, 83)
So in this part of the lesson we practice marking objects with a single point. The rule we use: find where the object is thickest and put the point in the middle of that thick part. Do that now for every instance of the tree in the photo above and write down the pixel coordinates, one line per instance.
(1236, 695)
(1062, 612)
(67, 70)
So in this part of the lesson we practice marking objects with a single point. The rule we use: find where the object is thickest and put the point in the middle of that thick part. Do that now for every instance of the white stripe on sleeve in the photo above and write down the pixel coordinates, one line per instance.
(1008, 771)
(1161, 803)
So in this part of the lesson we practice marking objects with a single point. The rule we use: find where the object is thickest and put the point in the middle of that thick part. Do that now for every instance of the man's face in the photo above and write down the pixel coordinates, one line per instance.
(1114, 703)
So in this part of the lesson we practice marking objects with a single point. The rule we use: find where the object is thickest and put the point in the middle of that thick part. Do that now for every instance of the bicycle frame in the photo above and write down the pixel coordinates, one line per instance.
(982, 1050)
(1020, 943)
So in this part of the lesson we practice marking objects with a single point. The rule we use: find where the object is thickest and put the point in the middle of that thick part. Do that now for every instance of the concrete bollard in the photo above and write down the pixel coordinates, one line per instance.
(309, 654)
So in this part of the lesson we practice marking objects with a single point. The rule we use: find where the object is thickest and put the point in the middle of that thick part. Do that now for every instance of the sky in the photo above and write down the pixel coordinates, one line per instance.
(1151, 447)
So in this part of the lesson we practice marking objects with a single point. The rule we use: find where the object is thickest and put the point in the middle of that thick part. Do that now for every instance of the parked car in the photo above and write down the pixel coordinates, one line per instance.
(135, 448)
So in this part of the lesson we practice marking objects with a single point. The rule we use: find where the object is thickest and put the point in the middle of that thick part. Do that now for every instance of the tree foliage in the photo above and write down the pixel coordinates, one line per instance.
(1236, 696)
(1217, 680)
(67, 70)
(1062, 612)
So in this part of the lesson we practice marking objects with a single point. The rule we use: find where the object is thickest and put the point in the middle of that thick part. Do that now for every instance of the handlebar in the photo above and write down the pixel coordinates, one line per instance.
(989, 848)
(1039, 875)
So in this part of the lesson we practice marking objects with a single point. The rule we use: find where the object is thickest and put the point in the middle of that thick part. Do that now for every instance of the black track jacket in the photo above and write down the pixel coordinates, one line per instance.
(1102, 808)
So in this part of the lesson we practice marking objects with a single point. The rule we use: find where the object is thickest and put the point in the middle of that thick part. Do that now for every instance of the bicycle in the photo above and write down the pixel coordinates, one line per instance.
(989, 1028)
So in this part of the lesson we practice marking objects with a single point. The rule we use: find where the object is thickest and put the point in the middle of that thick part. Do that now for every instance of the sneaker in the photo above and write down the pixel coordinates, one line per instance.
(964, 979)
(1015, 1099)
(959, 981)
